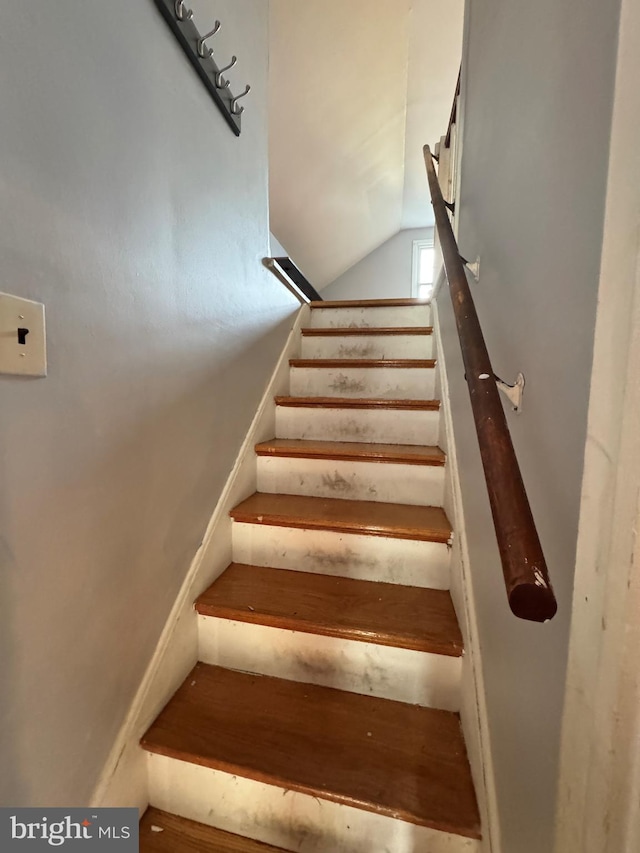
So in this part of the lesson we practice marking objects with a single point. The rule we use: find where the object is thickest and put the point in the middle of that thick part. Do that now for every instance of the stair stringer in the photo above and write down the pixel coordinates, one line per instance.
(473, 707)
(124, 779)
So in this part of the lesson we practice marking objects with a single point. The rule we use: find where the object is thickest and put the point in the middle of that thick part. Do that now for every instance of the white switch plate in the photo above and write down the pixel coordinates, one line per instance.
(30, 358)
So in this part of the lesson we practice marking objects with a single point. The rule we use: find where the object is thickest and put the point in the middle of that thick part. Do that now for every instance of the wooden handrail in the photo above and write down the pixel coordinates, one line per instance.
(288, 273)
(525, 572)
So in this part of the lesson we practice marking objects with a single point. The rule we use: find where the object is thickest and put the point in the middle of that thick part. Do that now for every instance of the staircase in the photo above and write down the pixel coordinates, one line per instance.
(321, 717)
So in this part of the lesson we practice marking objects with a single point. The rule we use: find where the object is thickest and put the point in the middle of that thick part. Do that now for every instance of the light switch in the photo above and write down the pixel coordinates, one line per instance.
(23, 347)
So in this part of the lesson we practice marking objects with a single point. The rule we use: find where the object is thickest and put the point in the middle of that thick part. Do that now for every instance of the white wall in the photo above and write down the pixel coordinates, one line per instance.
(276, 249)
(435, 48)
(356, 89)
(131, 210)
(599, 786)
(537, 84)
(384, 273)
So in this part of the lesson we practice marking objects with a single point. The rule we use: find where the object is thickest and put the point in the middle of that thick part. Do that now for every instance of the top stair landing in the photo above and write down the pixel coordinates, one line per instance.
(371, 313)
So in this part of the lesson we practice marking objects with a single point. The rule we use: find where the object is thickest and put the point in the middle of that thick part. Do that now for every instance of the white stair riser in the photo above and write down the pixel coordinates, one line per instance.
(365, 481)
(345, 555)
(386, 383)
(283, 818)
(367, 346)
(405, 675)
(379, 318)
(390, 426)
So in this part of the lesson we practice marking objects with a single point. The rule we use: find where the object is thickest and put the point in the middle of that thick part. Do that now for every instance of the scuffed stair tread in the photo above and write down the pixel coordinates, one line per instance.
(397, 521)
(400, 760)
(348, 331)
(385, 614)
(407, 454)
(180, 835)
(363, 362)
(357, 403)
(369, 303)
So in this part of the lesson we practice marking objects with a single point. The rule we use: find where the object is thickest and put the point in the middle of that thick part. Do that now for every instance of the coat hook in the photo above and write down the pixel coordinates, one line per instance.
(220, 83)
(203, 51)
(234, 101)
(183, 14)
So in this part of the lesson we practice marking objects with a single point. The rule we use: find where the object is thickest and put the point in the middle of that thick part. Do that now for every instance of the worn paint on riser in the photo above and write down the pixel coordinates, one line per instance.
(367, 346)
(347, 555)
(392, 426)
(418, 678)
(385, 383)
(407, 315)
(289, 819)
(367, 481)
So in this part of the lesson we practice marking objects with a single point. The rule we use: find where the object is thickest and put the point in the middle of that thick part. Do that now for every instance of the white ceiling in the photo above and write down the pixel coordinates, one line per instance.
(356, 89)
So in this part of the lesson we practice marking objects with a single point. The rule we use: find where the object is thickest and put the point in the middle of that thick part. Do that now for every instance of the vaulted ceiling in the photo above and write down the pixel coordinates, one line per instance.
(356, 88)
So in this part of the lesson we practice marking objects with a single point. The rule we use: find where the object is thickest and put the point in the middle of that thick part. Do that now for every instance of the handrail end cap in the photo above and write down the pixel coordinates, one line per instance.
(533, 602)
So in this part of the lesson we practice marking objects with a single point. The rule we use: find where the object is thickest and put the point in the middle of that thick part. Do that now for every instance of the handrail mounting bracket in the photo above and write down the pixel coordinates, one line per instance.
(513, 393)
(474, 268)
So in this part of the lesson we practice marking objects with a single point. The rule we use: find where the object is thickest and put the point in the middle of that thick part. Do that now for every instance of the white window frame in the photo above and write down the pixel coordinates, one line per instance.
(418, 246)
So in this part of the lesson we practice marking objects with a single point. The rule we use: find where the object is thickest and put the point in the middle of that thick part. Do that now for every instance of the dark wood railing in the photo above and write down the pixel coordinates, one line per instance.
(526, 578)
(288, 273)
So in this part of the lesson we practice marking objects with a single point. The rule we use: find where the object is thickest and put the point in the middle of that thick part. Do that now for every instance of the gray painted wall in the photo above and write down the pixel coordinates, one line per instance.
(385, 273)
(276, 249)
(538, 94)
(131, 210)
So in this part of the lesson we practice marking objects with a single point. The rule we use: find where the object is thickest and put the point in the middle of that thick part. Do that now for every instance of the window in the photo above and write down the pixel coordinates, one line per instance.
(422, 277)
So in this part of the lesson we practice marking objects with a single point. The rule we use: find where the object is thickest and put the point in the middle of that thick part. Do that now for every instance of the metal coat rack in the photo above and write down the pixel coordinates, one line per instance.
(180, 20)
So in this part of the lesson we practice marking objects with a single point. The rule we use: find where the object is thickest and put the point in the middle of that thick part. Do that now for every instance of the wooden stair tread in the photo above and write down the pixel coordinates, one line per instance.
(406, 454)
(400, 760)
(381, 613)
(397, 521)
(357, 403)
(180, 835)
(369, 303)
(348, 331)
(363, 362)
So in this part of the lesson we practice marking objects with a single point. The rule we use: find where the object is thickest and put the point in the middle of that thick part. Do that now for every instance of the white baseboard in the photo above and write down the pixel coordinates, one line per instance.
(123, 781)
(473, 711)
